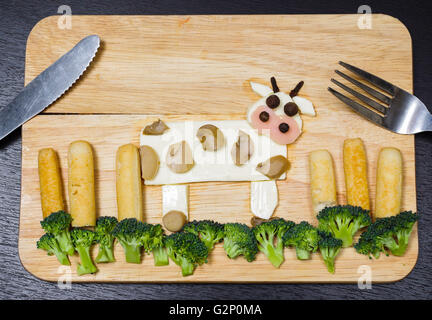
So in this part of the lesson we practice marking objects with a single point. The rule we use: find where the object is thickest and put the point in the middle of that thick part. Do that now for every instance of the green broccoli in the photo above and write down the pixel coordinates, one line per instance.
(104, 228)
(269, 237)
(186, 250)
(210, 232)
(58, 224)
(343, 222)
(329, 247)
(153, 241)
(82, 240)
(49, 243)
(240, 240)
(129, 232)
(304, 237)
(387, 234)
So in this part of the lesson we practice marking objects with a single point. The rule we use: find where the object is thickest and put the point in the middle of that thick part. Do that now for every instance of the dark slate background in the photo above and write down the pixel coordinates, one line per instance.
(17, 19)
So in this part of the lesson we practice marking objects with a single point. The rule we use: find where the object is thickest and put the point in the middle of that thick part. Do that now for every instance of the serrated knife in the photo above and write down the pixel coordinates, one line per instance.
(48, 86)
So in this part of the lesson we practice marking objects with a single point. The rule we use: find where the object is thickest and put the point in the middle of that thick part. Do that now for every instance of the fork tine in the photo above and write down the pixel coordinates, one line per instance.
(380, 83)
(365, 112)
(368, 101)
(381, 97)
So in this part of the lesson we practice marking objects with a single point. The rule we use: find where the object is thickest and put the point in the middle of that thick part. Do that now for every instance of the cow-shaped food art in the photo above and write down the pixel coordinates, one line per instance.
(174, 154)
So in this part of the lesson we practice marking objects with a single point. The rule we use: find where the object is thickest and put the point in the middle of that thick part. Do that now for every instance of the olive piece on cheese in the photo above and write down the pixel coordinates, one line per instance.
(179, 157)
(174, 220)
(291, 109)
(283, 127)
(156, 128)
(211, 137)
(243, 149)
(149, 162)
(274, 167)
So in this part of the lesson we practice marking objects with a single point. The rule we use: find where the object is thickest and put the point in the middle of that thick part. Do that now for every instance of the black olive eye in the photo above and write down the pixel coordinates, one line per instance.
(273, 101)
(283, 127)
(264, 116)
(291, 109)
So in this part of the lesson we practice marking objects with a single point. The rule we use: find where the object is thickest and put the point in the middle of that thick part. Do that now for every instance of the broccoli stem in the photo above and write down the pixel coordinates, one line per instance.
(160, 256)
(402, 239)
(345, 235)
(86, 266)
(275, 255)
(132, 252)
(65, 243)
(105, 254)
(62, 257)
(302, 254)
(187, 267)
(329, 262)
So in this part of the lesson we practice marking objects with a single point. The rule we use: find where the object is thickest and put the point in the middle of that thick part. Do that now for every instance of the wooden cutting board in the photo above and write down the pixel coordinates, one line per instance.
(199, 67)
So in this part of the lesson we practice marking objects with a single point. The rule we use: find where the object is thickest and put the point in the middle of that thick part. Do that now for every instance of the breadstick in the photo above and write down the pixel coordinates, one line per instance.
(389, 183)
(355, 168)
(129, 189)
(51, 189)
(323, 183)
(81, 184)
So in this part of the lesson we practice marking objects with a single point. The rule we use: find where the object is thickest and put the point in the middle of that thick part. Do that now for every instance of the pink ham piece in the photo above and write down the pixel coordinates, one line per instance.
(271, 127)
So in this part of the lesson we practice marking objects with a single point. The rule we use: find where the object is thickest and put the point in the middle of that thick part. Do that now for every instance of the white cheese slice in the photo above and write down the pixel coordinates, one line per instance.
(264, 198)
(211, 165)
(175, 197)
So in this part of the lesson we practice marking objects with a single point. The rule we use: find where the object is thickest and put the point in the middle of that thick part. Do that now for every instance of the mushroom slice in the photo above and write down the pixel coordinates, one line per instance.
(149, 162)
(211, 137)
(243, 149)
(156, 128)
(174, 220)
(179, 157)
(274, 167)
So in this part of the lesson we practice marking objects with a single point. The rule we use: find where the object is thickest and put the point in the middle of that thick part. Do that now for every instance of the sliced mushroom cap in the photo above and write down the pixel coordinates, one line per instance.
(156, 128)
(243, 149)
(149, 162)
(211, 137)
(179, 157)
(274, 167)
(174, 220)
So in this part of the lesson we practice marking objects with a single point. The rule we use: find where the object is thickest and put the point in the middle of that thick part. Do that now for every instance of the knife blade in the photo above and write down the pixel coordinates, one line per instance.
(48, 86)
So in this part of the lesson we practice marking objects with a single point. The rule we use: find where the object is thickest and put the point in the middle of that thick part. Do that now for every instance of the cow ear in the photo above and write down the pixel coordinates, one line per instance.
(260, 89)
(305, 106)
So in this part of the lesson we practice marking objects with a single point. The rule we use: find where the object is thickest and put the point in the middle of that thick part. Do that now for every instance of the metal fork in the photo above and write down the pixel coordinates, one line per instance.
(400, 111)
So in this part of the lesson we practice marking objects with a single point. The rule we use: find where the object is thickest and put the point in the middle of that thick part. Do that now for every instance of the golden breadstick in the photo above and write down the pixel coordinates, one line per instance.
(323, 183)
(51, 189)
(129, 189)
(389, 183)
(81, 184)
(355, 167)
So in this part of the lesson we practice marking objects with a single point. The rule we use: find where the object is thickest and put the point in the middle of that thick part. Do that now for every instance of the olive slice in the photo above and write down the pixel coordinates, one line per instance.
(179, 157)
(149, 162)
(211, 137)
(243, 149)
(274, 167)
(156, 128)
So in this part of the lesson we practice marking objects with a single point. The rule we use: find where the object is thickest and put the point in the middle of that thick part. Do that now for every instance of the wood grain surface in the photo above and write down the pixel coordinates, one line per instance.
(16, 283)
(138, 71)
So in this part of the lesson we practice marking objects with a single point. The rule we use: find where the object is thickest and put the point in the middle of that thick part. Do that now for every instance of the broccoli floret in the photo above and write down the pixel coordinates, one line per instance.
(49, 243)
(239, 240)
(269, 237)
(343, 222)
(304, 237)
(329, 247)
(387, 234)
(58, 224)
(105, 238)
(129, 232)
(82, 240)
(157, 246)
(186, 250)
(210, 232)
